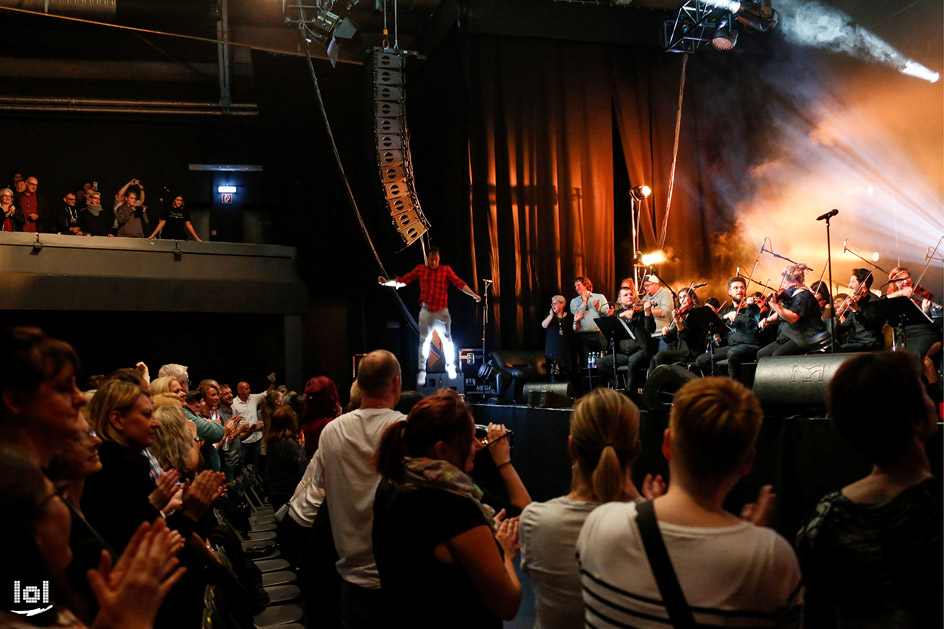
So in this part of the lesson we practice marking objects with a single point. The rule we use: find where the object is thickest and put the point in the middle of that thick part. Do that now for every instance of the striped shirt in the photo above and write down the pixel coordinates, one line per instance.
(735, 576)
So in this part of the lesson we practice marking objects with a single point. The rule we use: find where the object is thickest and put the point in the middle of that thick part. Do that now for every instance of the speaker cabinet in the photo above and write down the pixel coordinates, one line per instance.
(549, 394)
(796, 383)
(661, 386)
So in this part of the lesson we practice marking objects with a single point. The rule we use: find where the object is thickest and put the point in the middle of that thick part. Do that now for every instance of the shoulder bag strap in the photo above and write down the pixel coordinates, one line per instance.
(679, 612)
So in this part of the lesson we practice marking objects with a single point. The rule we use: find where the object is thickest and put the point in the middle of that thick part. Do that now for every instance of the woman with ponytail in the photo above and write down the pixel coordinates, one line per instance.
(444, 557)
(603, 442)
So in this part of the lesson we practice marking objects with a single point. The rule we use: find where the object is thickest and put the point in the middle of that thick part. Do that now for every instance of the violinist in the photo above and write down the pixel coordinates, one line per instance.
(630, 352)
(685, 348)
(860, 321)
(919, 337)
(824, 299)
(661, 300)
(744, 337)
(802, 328)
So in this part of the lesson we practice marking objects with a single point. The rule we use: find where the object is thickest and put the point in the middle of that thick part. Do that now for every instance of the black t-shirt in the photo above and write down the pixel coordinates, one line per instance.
(175, 226)
(420, 590)
(810, 324)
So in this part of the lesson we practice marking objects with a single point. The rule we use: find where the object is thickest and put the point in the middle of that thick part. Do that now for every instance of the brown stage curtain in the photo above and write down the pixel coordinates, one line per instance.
(541, 157)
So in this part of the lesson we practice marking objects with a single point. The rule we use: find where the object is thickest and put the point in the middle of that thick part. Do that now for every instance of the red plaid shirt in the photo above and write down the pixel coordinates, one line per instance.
(434, 291)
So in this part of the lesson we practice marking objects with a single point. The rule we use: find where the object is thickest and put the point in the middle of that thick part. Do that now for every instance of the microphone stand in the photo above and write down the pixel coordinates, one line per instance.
(488, 284)
(832, 308)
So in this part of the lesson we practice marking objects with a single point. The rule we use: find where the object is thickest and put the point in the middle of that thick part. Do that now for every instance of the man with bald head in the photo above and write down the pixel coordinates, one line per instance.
(246, 406)
(342, 475)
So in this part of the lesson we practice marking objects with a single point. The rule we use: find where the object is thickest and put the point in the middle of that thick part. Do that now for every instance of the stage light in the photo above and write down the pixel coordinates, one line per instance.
(728, 5)
(656, 257)
(640, 192)
(725, 37)
(875, 257)
(226, 189)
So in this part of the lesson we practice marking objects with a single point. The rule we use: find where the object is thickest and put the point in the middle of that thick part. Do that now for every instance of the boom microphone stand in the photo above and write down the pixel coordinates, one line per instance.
(829, 265)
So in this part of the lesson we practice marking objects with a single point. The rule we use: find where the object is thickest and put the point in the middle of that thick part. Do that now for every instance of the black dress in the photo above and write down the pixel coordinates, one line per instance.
(559, 342)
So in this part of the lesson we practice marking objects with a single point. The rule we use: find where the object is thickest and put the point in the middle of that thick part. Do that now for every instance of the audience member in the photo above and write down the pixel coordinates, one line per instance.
(872, 552)
(342, 476)
(67, 218)
(130, 211)
(176, 444)
(33, 212)
(285, 459)
(246, 405)
(321, 406)
(94, 219)
(603, 443)
(467, 577)
(730, 572)
(176, 371)
(168, 384)
(35, 525)
(83, 191)
(354, 398)
(175, 222)
(10, 217)
(121, 414)
(408, 399)
(39, 399)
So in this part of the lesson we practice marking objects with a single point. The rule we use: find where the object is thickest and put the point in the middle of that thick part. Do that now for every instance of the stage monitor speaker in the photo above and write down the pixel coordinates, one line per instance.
(437, 381)
(661, 386)
(549, 394)
(796, 383)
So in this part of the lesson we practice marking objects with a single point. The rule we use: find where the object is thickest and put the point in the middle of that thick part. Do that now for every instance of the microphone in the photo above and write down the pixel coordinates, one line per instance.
(762, 246)
(845, 246)
(827, 215)
(697, 286)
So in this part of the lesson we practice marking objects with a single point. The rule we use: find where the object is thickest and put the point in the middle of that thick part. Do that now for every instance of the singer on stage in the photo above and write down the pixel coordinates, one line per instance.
(434, 312)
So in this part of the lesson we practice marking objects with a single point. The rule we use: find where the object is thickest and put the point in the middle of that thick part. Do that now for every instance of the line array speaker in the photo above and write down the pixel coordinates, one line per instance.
(393, 144)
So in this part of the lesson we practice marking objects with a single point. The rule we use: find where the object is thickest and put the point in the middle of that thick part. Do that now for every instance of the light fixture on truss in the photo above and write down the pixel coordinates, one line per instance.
(702, 23)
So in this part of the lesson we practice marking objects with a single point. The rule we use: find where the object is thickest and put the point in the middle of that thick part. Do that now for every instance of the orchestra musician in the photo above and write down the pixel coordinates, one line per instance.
(631, 352)
(821, 292)
(860, 322)
(676, 334)
(586, 307)
(919, 337)
(744, 337)
(802, 327)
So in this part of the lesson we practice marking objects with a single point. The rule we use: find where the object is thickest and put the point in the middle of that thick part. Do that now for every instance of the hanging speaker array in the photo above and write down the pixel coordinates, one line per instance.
(393, 144)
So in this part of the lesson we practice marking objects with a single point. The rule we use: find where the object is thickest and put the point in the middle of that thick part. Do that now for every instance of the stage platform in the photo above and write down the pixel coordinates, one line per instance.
(802, 457)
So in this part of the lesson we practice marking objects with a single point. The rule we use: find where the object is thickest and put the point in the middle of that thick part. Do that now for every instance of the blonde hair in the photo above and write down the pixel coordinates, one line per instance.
(161, 385)
(604, 428)
(166, 399)
(559, 299)
(714, 423)
(113, 395)
(796, 272)
(173, 440)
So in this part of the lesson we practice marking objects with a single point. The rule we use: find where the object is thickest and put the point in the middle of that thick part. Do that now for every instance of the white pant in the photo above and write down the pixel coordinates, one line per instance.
(440, 322)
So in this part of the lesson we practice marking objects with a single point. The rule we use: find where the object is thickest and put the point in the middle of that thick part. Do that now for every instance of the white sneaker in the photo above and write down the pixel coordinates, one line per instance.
(420, 378)
(451, 371)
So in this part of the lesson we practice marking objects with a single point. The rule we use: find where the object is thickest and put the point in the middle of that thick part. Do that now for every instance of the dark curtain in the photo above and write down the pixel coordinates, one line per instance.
(541, 159)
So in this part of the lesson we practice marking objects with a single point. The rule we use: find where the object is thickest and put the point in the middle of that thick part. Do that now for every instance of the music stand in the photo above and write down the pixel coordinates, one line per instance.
(901, 312)
(616, 329)
(702, 321)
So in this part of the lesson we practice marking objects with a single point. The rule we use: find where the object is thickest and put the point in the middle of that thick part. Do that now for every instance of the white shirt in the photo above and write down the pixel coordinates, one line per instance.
(248, 410)
(341, 472)
(737, 576)
(548, 533)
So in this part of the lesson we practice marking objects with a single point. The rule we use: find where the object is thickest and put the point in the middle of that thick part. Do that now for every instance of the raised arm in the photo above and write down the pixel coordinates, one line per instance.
(492, 575)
